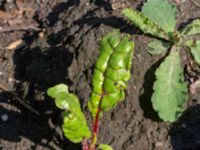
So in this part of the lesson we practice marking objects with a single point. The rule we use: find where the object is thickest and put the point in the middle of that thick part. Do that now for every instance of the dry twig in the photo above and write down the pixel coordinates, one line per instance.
(19, 99)
(195, 3)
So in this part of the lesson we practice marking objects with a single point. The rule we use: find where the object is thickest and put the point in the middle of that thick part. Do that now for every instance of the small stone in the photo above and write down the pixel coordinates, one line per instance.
(48, 112)
(41, 35)
(10, 80)
(183, 1)
(9, 1)
(183, 125)
(158, 144)
(44, 141)
(4, 117)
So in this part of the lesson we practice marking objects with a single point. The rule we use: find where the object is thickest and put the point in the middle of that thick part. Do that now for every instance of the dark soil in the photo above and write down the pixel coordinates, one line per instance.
(60, 45)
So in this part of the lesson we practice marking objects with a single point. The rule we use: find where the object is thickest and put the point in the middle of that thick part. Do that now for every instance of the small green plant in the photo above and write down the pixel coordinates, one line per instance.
(158, 18)
(111, 74)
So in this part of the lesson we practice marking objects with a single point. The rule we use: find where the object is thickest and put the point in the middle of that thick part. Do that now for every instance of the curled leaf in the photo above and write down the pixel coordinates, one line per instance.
(74, 127)
(194, 47)
(111, 73)
(54, 91)
(144, 23)
(192, 29)
(158, 47)
(162, 13)
(74, 123)
(169, 89)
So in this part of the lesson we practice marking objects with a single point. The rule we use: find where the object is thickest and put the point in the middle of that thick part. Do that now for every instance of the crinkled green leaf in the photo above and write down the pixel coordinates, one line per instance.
(144, 23)
(162, 13)
(192, 29)
(67, 102)
(169, 88)
(53, 91)
(75, 127)
(112, 71)
(74, 123)
(104, 147)
(158, 47)
(194, 47)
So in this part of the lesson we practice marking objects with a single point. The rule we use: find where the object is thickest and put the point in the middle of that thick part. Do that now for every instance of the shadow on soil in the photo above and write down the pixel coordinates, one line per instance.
(54, 16)
(112, 21)
(145, 98)
(103, 3)
(185, 133)
(37, 68)
(22, 123)
(40, 130)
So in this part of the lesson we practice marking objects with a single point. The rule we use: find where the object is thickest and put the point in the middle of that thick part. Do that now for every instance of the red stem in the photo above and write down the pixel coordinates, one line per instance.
(96, 127)
(96, 122)
(94, 134)
(85, 144)
(94, 131)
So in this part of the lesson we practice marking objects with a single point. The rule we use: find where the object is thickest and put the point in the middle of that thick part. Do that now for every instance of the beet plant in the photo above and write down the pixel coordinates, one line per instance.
(158, 19)
(110, 77)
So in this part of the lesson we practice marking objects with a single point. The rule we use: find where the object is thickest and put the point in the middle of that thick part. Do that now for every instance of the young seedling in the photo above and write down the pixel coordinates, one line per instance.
(111, 74)
(158, 19)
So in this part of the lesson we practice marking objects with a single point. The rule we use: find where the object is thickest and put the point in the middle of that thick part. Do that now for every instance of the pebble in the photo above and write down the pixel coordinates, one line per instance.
(48, 112)
(10, 80)
(183, 125)
(44, 141)
(4, 117)
(9, 1)
(158, 144)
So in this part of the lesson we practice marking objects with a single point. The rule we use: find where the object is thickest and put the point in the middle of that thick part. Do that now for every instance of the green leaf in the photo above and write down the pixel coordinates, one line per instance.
(194, 47)
(75, 127)
(162, 13)
(67, 101)
(74, 123)
(158, 47)
(112, 71)
(192, 29)
(144, 23)
(53, 91)
(169, 88)
(104, 147)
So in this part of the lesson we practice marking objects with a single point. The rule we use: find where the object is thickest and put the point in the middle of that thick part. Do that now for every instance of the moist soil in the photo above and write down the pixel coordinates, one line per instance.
(57, 41)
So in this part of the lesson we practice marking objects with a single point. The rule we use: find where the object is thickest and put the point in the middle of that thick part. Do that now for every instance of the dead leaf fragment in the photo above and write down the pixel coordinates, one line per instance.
(194, 86)
(14, 45)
